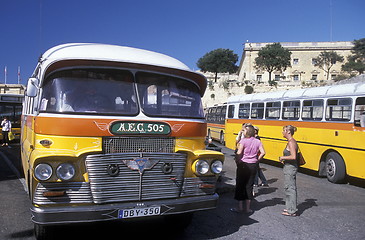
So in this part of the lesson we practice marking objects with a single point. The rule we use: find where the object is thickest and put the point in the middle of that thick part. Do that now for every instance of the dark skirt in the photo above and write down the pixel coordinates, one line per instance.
(245, 176)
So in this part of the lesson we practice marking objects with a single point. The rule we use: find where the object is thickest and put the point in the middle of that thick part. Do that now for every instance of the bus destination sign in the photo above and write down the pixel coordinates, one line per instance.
(125, 127)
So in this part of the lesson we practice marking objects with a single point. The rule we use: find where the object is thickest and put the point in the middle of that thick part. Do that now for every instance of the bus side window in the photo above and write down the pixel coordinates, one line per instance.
(339, 109)
(257, 110)
(244, 110)
(312, 110)
(273, 110)
(230, 111)
(359, 120)
(291, 110)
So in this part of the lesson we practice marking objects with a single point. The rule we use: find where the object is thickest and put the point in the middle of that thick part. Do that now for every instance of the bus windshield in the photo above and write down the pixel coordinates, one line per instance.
(168, 96)
(100, 91)
(112, 92)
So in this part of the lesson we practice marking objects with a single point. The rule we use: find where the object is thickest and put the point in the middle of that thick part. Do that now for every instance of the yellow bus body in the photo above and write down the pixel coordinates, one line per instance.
(315, 139)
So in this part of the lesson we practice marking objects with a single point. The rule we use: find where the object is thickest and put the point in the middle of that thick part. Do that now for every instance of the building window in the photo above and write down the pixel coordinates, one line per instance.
(296, 77)
(295, 61)
(259, 78)
(277, 77)
(314, 61)
(333, 76)
(314, 76)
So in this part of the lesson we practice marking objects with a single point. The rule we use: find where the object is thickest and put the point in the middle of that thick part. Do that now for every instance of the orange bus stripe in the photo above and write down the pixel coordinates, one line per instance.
(100, 127)
(321, 125)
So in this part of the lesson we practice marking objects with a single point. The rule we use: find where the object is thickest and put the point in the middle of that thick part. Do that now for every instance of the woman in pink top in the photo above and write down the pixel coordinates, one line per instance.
(249, 148)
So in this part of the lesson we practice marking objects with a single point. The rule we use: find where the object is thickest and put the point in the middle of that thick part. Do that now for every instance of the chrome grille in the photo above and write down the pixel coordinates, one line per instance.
(198, 186)
(75, 192)
(130, 185)
(138, 144)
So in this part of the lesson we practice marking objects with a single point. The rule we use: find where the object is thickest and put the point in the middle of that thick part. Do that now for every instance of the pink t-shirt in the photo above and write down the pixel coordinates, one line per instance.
(251, 148)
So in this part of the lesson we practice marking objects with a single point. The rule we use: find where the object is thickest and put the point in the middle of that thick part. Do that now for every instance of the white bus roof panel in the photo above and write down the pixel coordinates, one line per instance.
(342, 90)
(106, 52)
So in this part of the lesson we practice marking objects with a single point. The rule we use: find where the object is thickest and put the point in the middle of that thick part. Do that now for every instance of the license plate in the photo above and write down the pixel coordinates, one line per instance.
(139, 212)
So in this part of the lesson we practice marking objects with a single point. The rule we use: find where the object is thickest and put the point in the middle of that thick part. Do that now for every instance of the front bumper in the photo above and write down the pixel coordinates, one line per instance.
(104, 212)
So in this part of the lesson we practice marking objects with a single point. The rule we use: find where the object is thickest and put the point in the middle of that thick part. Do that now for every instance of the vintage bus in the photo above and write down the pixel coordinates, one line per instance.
(216, 117)
(112, 132)
(330, 122)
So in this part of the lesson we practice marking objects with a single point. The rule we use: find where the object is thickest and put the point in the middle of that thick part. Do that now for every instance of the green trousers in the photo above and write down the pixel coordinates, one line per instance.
(290, 187)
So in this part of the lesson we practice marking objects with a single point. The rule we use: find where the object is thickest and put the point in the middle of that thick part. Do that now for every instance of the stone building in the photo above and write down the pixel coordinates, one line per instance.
(302, 68)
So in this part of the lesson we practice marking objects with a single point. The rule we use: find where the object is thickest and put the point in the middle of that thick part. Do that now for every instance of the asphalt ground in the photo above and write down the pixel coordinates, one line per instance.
(326, 210)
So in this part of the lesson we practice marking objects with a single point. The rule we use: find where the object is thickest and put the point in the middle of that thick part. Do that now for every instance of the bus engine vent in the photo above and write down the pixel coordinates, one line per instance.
(138, 144)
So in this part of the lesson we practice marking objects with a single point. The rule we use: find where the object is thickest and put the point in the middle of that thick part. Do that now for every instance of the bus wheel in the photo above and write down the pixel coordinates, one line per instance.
(335, 168)
(43, 232)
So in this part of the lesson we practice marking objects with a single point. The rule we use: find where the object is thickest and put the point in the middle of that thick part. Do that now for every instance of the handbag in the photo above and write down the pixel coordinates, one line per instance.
(300, 159)
(11, 136)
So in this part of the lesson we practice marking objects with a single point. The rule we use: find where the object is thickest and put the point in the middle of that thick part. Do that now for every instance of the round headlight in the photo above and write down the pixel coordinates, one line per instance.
(217, 167)
(202, 167)
(65, 171)
(43, 171)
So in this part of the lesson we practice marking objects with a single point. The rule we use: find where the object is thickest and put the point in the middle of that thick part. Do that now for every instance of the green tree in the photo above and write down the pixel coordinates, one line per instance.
(248, 89)
(356, 62)
(326, 60)
(218, 61)
(273, 57)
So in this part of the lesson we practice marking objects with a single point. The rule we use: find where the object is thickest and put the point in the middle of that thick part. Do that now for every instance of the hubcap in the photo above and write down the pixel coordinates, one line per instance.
(331, 167)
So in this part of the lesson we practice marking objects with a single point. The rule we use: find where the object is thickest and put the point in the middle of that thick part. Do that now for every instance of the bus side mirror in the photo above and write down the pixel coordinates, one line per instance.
(32, 87)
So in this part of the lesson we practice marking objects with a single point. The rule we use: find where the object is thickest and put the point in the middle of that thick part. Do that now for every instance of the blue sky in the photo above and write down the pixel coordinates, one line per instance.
(184, 29)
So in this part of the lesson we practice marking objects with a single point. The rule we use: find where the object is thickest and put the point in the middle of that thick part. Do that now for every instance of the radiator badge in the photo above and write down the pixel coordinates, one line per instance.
(140, 164)
(151, 128)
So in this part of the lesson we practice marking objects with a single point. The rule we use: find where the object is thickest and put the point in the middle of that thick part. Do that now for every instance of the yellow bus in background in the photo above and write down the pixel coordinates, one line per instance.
(216, 117)
(112, 133)
(11, 107)
(330, 122)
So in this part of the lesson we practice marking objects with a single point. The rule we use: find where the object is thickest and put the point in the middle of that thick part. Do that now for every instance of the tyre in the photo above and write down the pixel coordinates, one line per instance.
(43, 232)
(335, 168)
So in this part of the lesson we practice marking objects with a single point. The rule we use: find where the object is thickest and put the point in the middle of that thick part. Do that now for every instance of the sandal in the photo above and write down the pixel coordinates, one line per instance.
(236, 210)
(289, 214)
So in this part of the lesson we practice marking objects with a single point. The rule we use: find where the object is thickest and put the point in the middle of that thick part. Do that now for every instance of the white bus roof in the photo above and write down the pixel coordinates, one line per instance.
(106, 52)
(327, 91)
(118, 54)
